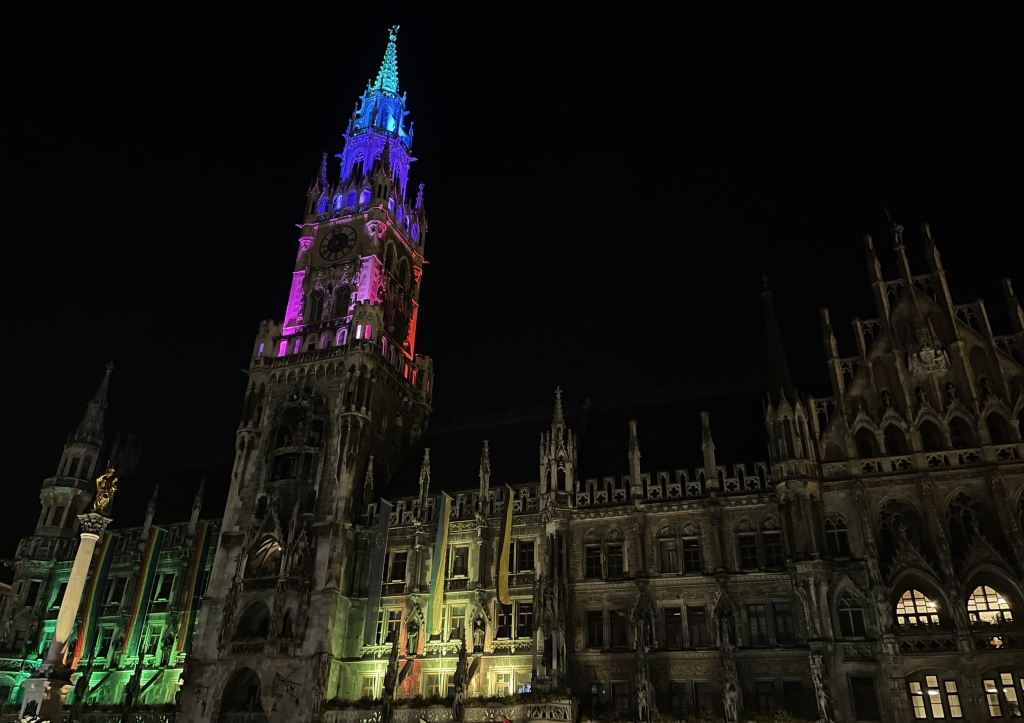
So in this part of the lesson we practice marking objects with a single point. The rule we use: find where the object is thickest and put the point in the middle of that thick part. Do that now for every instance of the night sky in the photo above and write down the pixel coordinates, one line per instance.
(602, 193)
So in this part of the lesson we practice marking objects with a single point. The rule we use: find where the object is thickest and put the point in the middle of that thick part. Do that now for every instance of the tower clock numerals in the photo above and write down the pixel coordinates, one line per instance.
(337, 243)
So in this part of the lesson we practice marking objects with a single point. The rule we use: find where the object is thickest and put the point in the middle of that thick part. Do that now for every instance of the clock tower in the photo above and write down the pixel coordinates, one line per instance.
(336, 395)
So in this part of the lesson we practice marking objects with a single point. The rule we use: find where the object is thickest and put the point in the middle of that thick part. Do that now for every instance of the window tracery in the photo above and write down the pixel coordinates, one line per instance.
(986, 605)
(915, 608)
(851, 616)
(837, 538)
(898, 521)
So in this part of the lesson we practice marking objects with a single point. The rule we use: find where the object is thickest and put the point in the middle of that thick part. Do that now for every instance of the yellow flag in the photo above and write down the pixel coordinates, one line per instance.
(506, 549)
(435, 603)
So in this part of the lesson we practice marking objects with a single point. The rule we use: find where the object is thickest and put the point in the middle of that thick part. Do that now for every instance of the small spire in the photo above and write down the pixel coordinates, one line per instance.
(485, 472)
(101, 393)
(387, 77)
(385, 157)
(323, 171)
(419, 198)
(559, 419)
(780, 384)
(197, 501)
(707, 446)
(895, 230)
(90, 429)
(151, 505)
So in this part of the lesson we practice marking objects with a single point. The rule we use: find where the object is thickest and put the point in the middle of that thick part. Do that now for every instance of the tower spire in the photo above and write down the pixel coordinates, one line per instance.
(780, 384)
(387, 76)
(90, 429)
(558, 419)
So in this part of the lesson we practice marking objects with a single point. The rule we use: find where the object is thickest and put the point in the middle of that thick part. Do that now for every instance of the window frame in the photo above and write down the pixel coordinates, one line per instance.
(595, 621)
(742, 557)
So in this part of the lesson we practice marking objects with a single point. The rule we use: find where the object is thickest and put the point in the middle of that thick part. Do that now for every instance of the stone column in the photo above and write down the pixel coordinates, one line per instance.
(50, 684)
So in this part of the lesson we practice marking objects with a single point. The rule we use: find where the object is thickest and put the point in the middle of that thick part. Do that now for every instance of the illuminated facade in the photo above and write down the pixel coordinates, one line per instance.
(42, 566)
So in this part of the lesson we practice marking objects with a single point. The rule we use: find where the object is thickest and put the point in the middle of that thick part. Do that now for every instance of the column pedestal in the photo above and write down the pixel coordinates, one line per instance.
(46, 696)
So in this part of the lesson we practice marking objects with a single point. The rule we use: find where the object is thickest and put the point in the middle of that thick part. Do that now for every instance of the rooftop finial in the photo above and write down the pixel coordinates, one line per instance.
(764, 284)
(559, 419)
(323, 171)
(895, 230)
(387, 76)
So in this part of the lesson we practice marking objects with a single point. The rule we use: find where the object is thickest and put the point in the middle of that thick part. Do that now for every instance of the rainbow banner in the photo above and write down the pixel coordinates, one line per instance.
(93, 598)
(143, 591)
(435, 603)
(193, 595)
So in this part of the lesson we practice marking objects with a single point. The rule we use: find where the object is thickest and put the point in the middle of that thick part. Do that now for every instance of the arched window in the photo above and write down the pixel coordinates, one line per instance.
(391, 203)
(242, 695)
(896, 520)
(342, 337)
(254, 622)
(895, 442)
(998, 429)
(788, 425)
(914, 608)
(261, 507)
(851, 616)
(350, 199)
(321, 207)
(668, 552)
(1001, 694)
(389, 258)
(342, 299)
(867, 444)
(264, 559)
(286, 626)
(987, 606)
(337, 202)
(416, 232)
(931, 437)
(401, 213)
(960, 433)
(836, 535)
(364, 197)
(315, 306)
(966, 519)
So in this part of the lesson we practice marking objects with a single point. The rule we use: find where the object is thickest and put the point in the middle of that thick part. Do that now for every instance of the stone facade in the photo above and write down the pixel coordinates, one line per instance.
(868, 570)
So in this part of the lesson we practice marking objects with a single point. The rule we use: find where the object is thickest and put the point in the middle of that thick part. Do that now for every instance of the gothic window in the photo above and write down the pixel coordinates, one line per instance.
(697, 621)
(865, 698)
(897, 520)
(325, 341)
(960, 433)
(254, 624)
(668, 552)
(389, 258)
(615, 560)
(785, 630)
(998, 430)
(895, 442)
(966, 519)
(674, 627)
(73, 472)
(391, 203)
(364, 196)
(914, 608)
(691, 555)
(619, 627)
(748, 552)
(401, 214)
(595, 629)
(416, 232)
(867, 444)
(836, 536)
(321, 207)
(934, 698)
(286, 626)
(931, 437)
(316, 306)
(264, 559)
(987, 606)
(788, 425)
(337, 202)
(851, 616)
(342, 337)
(350, 199)
(833, 452)
(593, 561)
(774, 557)
(757, 619)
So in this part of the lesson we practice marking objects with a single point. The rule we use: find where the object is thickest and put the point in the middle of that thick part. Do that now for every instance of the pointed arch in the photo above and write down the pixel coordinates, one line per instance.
(897, 518)
(895, 440)
(837, 535)
(961, 432)
(931, 435)
(850, 611)
(254, 622)
(998, 428)
(866, 442)
(243, 695)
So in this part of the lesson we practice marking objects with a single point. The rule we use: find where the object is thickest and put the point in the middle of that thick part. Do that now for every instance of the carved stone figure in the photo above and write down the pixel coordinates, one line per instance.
(952, 394)
(459, 682)
(643, 688)
(819, 676)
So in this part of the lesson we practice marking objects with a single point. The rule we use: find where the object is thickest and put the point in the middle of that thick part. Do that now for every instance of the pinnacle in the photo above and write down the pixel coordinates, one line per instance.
(387, 76)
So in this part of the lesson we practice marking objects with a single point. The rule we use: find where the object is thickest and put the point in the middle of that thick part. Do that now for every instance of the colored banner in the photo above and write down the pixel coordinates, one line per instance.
(506, 549)
(193, 595)
(93, 598)
(435, 604)
(377, 557)
(143, 591)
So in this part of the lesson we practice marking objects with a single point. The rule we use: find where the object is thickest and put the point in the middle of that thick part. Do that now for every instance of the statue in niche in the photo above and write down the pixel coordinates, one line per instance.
(987, 389)
(479, 632)
(952, 395)
(730, 688)
(819, 676)
(929, 357)
(886, 398)
(922, 396)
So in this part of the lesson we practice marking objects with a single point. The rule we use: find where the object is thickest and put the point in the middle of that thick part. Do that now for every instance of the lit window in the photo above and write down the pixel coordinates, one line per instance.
(359, 332)
(914, 608)
(934, 697)
(457, 622)
(524, 681)
(988, 606)
(283, 351)
(992, 698)
(367, 333)
(1010, 693)
(260, 352)
(433, 685)
(953, 698)
(337, 202)
(502, 684)
(298, 346)
(917, 698)
(369, 687)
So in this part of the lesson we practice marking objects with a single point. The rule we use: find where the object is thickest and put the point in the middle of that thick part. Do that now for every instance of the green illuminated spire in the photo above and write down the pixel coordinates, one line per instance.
(387, 77)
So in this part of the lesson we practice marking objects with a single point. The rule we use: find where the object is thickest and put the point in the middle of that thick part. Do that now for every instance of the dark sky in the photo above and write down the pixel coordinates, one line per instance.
(602, 193)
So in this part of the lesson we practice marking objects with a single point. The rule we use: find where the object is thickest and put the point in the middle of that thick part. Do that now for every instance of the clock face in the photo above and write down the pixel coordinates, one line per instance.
(337, 243)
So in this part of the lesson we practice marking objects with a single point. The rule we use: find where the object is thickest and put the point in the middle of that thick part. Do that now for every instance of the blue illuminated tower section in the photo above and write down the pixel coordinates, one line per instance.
(379, 117)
